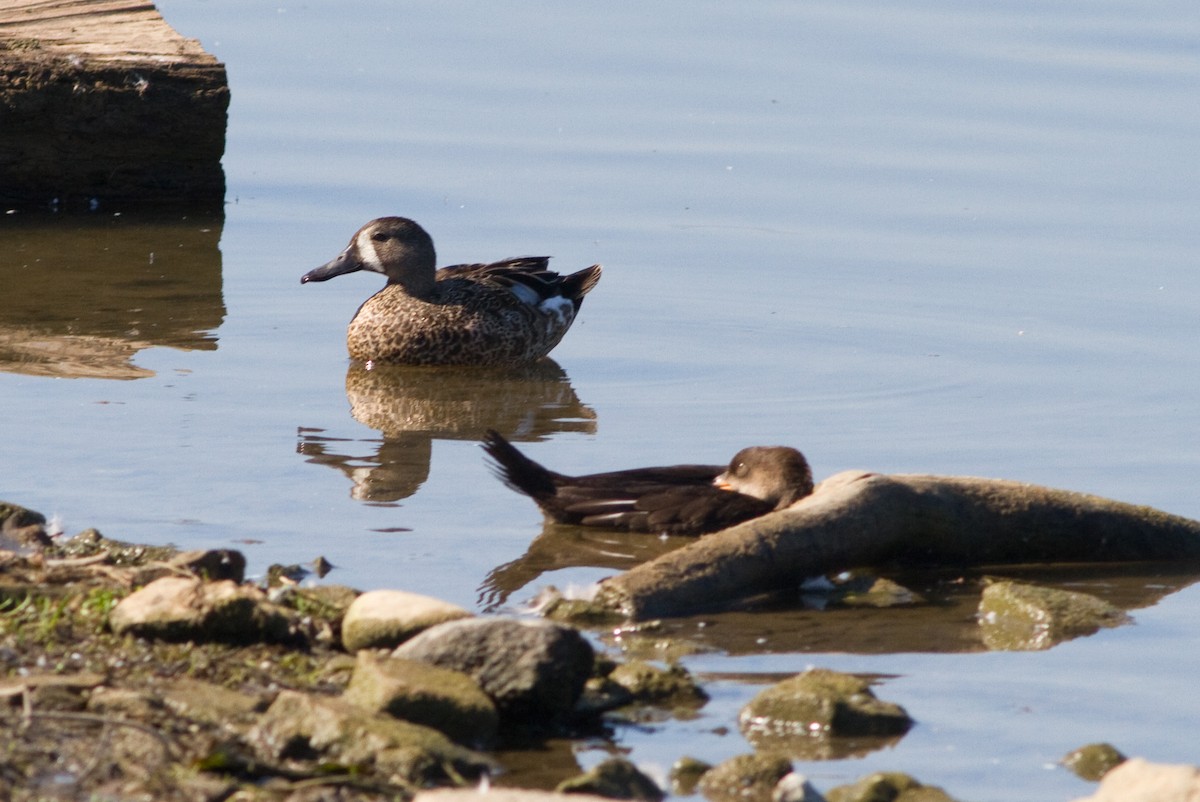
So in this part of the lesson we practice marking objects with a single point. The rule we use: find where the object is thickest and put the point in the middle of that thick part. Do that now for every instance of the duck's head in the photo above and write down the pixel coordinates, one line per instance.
(777, 474)
(394, 246)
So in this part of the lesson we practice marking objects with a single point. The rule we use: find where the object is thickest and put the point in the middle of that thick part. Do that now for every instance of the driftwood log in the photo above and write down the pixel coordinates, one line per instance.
(102, 103)
(857, 519)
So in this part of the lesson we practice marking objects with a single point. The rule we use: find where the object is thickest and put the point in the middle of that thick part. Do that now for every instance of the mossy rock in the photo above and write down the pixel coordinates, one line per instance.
(1015, 616)
(745, 778)
(1093, 761)
(615, 778)
(887, 787)
(661, 686)
(449, 701)
(820, 703)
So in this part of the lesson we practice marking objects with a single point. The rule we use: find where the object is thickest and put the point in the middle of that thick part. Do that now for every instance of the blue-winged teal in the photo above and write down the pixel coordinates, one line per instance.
(674, 500)
(481, 314)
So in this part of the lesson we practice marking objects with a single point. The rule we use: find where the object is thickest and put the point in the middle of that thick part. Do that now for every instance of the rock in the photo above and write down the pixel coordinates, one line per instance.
(890, 786)
(653, 685)
(501, 795)
(745, 778)
(615, 778)
(533, 670)
(685, 774)
(211, 564)
(448, 701)
(20, 527)
(795, 788)
(1093, 761)
(818, 703)
(1138, 780)
(383, 619)
(185, 608)
(212, 704)
(1020, 617)
(301, 726)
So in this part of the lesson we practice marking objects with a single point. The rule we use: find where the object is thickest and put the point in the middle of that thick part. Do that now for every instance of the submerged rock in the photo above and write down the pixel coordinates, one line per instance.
(1018, 617)
(615, 778)
(661, 686)
(685, 775)
(186, 608)
(745, 778)
(821, 703)
(383, 619)
(1093, 761)
(307, 726)
(449, 701)
(887, 787)
(533, 670)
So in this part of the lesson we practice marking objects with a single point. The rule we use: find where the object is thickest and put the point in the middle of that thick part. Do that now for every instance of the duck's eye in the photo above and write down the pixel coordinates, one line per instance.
(379, 236)
(740, 470)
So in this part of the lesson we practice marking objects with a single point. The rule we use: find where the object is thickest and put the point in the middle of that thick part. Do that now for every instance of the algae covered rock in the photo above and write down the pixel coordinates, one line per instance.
(1093, 761)
(1019, 617)
(663, 686)
(449, 701)
(745, 778)
(887, 787)
(615, 778)
(383, 619)
(301, 726)
(685, 775)
(820, 703)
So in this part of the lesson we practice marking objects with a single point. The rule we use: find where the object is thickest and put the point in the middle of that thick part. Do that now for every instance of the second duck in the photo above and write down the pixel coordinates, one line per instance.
(672, 500)
(502, 313)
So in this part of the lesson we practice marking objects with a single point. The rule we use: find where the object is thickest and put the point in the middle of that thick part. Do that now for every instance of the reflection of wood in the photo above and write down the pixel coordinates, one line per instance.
(86, 294)
(857, 519)
(101, 99)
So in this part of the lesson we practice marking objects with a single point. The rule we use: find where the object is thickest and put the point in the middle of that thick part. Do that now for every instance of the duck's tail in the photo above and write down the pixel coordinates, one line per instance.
(579, 284)
(516, 470)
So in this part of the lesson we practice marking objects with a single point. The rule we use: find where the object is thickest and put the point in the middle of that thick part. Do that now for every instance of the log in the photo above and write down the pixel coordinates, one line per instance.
(857, 519)
(102, 103)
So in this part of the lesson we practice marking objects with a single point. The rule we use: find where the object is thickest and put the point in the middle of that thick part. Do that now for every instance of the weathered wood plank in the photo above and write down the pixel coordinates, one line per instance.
(103, 103)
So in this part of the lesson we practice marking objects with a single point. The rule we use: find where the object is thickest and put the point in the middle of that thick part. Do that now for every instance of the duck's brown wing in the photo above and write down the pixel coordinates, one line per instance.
(676, 499)
(673, 509)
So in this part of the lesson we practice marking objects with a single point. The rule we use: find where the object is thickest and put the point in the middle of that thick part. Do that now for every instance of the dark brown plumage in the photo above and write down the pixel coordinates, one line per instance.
(675, 500)
(502, 313)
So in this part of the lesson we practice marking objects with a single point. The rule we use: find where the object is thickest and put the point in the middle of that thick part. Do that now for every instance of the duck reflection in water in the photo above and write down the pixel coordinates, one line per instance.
(411, 407)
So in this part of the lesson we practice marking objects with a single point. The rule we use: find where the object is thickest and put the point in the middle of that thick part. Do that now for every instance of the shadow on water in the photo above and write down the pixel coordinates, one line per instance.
(412, 407)
(84, 294)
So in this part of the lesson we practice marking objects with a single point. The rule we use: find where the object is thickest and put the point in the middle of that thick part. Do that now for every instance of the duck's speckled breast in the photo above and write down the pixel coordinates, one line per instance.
(461, 323)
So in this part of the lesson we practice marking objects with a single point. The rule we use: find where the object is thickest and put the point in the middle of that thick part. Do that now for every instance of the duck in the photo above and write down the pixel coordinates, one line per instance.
(501, 313)
(669, 500)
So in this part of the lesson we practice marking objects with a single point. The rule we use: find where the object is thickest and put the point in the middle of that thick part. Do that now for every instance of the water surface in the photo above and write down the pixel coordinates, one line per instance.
(920, 237)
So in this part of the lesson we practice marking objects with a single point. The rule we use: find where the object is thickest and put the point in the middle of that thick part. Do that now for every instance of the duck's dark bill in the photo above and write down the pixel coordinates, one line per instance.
(340, 265)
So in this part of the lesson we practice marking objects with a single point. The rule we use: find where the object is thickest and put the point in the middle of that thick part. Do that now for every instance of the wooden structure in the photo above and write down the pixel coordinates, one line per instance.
(103, 104)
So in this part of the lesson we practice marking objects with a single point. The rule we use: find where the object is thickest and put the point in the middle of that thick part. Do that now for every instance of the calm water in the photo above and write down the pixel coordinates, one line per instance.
(927, 237)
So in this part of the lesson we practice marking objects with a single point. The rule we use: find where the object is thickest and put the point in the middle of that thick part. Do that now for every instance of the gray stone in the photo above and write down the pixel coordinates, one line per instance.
(383, 619)
(795, 788)
(449, 701)
(533, 670)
